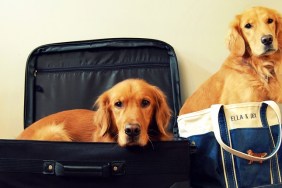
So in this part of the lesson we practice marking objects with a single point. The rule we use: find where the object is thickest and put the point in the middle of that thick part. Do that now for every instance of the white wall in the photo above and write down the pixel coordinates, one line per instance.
(196, 29)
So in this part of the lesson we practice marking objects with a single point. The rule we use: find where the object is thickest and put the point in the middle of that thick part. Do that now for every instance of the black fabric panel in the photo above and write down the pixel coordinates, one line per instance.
(163, 164)
(104, 57)
(65, 91)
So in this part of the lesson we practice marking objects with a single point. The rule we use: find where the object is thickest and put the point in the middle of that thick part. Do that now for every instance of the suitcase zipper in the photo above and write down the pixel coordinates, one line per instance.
(97, 68)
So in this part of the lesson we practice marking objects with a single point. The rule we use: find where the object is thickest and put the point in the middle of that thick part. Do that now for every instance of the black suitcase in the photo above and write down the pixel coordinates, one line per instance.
(72, 75)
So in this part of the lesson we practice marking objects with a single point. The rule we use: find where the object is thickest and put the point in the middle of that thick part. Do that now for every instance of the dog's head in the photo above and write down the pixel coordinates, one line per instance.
(255, 32)
(128, 111)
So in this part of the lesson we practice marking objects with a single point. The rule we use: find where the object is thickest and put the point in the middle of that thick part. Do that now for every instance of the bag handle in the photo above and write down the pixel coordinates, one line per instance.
(102, 170)
(214, 116)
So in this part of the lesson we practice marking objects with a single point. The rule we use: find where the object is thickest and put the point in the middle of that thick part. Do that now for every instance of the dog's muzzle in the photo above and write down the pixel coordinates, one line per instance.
(267, 40)
(132, 131)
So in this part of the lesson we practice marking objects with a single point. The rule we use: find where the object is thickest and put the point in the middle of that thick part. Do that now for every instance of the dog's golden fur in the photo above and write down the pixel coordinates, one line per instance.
(251, 72)
(130, 103)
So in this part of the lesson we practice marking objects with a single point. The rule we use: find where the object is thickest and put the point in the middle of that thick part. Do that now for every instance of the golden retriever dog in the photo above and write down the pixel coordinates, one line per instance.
(251, 72)
(132, 112)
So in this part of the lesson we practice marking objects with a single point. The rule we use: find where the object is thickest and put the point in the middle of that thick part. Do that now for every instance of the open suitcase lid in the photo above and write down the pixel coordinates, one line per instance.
(72, 75)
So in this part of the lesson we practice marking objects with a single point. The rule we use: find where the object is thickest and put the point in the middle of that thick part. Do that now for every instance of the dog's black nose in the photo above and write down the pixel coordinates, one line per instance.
(132, 129)
(266, 40)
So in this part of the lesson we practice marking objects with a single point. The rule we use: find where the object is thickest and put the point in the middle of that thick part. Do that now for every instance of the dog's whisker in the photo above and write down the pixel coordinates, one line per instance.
(151, 144)
(116, 136)
(116, 147)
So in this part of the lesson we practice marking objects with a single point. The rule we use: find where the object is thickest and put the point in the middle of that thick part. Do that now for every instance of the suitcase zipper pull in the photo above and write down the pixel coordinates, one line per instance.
(35, 73)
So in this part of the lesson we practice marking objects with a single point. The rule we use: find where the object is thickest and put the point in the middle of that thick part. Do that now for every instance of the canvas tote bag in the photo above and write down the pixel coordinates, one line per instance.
(236, 145)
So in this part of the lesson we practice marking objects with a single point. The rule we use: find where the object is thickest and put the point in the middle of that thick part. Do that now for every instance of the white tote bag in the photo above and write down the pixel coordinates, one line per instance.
(236, 145)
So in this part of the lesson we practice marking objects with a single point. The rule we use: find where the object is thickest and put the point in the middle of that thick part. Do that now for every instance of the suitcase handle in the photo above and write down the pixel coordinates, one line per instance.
(69, 170)
(102, 170)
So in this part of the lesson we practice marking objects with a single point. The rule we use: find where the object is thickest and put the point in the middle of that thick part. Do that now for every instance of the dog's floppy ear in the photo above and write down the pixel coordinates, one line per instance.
(162, 111)
(102, 117)
(278, 23)
(235, 41)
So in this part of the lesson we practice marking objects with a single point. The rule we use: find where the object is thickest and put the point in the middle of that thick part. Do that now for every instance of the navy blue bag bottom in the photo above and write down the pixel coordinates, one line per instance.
(207, 168)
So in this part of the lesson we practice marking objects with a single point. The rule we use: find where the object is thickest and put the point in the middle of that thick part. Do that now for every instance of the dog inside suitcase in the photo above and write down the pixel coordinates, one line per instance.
(132, 112)
(129, 79)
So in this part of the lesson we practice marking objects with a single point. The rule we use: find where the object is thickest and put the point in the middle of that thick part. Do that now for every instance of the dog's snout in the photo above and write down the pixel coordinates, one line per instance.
(266, 40)
(132, 130)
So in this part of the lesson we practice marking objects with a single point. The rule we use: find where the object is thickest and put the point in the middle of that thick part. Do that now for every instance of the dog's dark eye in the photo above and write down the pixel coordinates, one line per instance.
(248, 26)
(145, 103)
(269, 21)
(118, 104)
